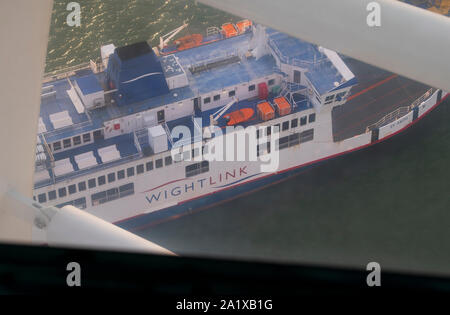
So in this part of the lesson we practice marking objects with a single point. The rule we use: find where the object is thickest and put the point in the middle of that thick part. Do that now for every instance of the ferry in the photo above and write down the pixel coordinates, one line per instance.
(137, 137)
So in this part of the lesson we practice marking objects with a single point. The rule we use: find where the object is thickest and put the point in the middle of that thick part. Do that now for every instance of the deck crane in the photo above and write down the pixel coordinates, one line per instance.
(213, 118)
(163, 40)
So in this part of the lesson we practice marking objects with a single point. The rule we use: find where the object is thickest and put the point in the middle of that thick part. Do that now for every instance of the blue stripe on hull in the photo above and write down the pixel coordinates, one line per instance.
(153, 218)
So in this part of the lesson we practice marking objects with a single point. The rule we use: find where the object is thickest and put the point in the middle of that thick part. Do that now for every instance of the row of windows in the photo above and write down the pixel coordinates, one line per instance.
(287, 141)
(339, 97)
(197, 168)
(232, 93)
(79, 203)
(290, 123)
(74, 141)
(102, 180)
(112, 194)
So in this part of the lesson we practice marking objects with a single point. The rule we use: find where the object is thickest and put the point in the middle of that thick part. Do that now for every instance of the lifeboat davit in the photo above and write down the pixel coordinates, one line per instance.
(239, 116)
(189, 41)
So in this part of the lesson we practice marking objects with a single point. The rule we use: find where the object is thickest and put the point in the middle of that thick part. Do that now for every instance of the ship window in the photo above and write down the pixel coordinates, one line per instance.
(42, 198)
(52, 195)
(340, 96)
(140, 169)
(80, 203)
(285, 125)
(257, 133)
(263, 148)
(149, 166)
(112, 194)
(276, 128)
(57, 146)
(195, 152)
(101, 180)
(294, 139)
(271, 82)
(98, 135)
(269, 130)
(168, 160)
(329, 99)
(307, 135)
(207, 100)
(91, 183)
(282, 143)
(159, 163)
(186, 155)
(231, 93)
(126, 190)
(251, 87)
(294, 123)
(197, 168)
(303, 121)
(86, 137)
(130, 171)
(62, 192)
(67, 143)
(82, 186)
(77, 140)
(111, 177)
(121, 174)
(216, 97)
(99, 198)
(312, 118)
(72, 189)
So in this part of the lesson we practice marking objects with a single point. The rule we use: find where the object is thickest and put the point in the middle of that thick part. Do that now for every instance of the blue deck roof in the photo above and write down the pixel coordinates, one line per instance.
(58, 103)
(321, 72)
(89, 84)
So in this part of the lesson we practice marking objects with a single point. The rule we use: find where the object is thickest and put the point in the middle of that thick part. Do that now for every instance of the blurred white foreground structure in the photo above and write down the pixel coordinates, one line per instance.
(24, 36)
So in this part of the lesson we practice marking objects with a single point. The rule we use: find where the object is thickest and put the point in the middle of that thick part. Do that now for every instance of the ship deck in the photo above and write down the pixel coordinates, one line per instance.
(378, 93)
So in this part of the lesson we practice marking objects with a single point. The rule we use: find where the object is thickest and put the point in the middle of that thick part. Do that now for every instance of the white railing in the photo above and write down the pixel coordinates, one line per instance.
(400, 112)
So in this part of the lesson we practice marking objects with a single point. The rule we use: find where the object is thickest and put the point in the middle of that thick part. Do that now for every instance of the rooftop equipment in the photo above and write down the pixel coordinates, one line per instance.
(243, 26)
(265, 111)
(229, 30)
(109, 153)
(263, 91)
(85, 160)
(282, 105)
(61, 119)
(157, 139)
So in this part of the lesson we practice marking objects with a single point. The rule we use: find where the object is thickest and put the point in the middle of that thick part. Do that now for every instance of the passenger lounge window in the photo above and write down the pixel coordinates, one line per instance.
(56, 146)
(307, 135)
(86, 137)
(197, 168)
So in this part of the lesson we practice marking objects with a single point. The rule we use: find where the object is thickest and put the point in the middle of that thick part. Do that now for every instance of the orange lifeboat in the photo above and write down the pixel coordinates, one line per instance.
(189, 41)
(239, 116)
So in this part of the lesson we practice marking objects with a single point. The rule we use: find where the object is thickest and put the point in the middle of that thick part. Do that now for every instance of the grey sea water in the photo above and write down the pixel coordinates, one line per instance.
(389, 203)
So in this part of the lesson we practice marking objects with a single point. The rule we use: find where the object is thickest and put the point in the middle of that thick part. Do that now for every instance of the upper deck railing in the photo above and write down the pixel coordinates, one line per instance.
(62, 73)
(295, 61)
(400, 112)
